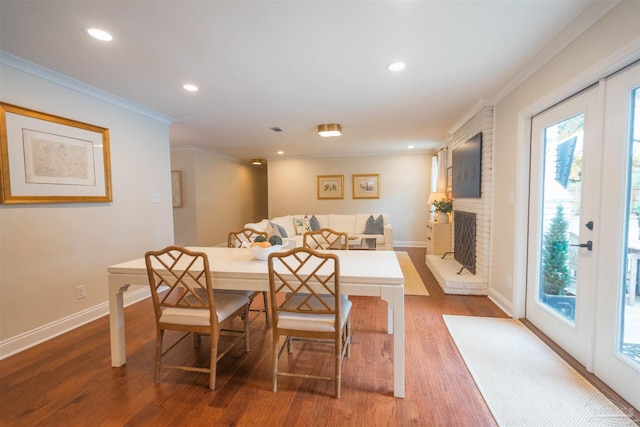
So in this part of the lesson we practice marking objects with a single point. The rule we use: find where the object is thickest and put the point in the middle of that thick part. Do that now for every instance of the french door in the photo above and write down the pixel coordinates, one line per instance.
(584, 221)
(564, 184)
(617, 334)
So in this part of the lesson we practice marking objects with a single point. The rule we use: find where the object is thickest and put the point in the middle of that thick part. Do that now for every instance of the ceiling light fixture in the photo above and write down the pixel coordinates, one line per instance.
(190, 87)
(396, 66)
(257, 162)
(333, 129)
(99, 34)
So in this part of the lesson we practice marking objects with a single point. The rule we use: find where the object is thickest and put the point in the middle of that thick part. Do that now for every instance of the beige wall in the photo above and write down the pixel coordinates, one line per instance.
(46, 250)
(219, 195)
(560, 77)
(404, 188)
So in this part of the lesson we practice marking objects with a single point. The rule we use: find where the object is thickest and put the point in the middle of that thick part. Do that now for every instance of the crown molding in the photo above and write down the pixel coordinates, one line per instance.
(62, 80)
(582, 23)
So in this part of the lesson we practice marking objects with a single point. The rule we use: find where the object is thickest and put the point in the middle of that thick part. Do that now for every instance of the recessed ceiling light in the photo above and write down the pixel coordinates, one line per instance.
(396, 66)
(190, 87)
(280, 152)
(411, 147)
(99, 34)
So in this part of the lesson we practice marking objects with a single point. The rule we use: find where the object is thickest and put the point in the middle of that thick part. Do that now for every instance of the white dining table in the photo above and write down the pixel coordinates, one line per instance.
(362, 273)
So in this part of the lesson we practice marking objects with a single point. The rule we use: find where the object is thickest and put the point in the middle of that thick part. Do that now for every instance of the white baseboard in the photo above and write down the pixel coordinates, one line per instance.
(504, 304)
(44, 333)
(409, 244)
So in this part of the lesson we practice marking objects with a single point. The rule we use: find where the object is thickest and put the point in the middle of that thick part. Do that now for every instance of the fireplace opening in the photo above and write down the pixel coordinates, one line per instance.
(464, 239)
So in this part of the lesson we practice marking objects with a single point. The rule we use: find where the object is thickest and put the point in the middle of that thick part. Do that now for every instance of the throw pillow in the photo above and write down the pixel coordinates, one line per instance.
(374, 226)
(302, 225)
(274, 229)
(314, 223)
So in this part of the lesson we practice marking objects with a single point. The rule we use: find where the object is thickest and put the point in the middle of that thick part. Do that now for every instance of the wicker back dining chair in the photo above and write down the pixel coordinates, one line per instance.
(325, 238)
(244, 237)
(238, 239)
(184, 301)
(306, 304)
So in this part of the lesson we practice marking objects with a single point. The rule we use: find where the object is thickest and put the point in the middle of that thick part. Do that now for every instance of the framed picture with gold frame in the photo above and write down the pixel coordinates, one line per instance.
(366, 186)
(50, 159)
(330, 186)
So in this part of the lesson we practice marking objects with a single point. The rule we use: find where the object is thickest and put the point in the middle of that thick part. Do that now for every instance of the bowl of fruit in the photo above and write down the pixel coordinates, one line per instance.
(261, 247)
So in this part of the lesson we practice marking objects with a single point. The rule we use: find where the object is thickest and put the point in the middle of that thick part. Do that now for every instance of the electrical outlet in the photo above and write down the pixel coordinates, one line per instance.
(80, 292)
(509, 281)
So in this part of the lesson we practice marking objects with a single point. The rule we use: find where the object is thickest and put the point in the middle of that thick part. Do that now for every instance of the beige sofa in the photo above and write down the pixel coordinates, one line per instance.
(354, 225)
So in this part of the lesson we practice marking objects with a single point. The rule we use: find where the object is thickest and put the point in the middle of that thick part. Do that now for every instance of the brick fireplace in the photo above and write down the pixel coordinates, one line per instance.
(446, 270)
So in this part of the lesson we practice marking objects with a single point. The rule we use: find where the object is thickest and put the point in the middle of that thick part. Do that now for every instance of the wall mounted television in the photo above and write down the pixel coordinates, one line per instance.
(467, 168)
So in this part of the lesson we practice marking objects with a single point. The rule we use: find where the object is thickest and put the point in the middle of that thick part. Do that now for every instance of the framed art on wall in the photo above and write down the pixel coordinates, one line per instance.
(176, 188)
(330, 186)
(50, 159)
(366, 186)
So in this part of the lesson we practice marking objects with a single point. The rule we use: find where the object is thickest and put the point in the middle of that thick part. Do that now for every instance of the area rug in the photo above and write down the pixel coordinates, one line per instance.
(522, 380)
(412, 282)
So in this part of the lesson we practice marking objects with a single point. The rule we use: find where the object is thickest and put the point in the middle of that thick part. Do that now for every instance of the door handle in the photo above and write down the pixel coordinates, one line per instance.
(588, 245)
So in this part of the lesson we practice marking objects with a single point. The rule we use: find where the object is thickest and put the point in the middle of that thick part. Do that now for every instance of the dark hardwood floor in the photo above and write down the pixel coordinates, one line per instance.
(69, 380)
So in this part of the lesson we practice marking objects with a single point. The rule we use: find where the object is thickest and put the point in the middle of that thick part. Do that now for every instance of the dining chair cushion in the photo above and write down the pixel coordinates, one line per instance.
(313, 322)
(226, 305)
(247, 294)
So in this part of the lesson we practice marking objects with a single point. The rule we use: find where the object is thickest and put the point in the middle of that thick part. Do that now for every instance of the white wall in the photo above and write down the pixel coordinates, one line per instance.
(46, 250)
(576, 66)
(219, 195)
(404, 188)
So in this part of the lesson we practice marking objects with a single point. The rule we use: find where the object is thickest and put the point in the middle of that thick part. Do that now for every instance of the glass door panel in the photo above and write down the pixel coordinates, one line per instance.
(564, 180)
(562, 189)
(629, 342)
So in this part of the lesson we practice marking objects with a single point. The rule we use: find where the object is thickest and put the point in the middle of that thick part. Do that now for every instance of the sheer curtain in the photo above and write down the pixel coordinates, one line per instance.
(442, 170)
(434, 174)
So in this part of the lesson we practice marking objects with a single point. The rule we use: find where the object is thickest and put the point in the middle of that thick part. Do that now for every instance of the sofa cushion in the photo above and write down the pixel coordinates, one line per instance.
(374, 225)
(287, 223)
(323, 220)
(343, 223)
(302, 224)
(260, 226)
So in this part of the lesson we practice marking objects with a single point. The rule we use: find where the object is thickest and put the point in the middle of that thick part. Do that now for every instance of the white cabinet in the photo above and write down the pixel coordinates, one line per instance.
(438, 238)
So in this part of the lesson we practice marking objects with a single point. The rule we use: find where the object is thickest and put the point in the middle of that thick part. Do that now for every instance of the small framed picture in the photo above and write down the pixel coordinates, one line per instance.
(176, 188)
(330, 186)
(366, 186)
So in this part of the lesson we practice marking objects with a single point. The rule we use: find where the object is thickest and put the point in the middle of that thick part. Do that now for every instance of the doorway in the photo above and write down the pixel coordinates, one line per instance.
(582, 280)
